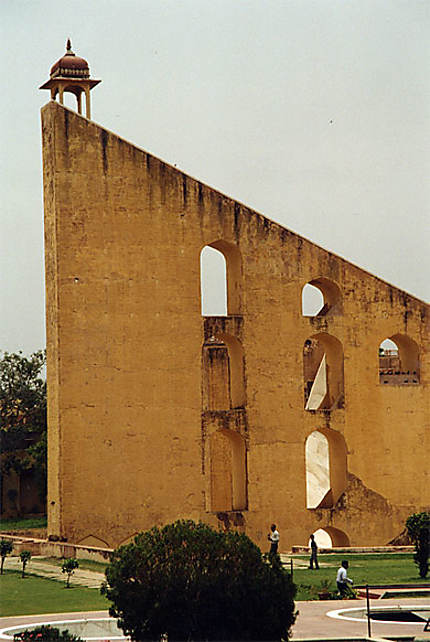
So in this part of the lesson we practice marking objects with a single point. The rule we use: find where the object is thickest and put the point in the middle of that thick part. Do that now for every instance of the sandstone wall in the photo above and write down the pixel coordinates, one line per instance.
(130, 426)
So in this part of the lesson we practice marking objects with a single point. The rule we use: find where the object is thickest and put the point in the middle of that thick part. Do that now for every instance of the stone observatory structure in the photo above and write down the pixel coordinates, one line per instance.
(264, 413)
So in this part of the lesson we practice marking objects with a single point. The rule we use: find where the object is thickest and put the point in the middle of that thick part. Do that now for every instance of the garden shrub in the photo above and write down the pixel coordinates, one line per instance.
(45, 634)
(6, 548)
(192, 582)
(68, 566)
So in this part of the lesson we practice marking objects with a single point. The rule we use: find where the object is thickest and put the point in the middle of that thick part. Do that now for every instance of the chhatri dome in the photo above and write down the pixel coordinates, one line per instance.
(71, 73)
(70, 65)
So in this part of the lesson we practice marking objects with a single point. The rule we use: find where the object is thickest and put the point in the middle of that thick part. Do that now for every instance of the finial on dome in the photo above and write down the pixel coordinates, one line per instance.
(69, 46)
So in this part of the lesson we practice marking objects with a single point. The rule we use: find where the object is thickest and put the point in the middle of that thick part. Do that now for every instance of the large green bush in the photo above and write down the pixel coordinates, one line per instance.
(195, 583)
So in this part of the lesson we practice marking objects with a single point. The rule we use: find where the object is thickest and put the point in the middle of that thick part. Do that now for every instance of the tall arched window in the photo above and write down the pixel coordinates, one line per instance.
(321, 296)
(220, 279)
(326, 468)
(227, 471)
(399, 361)
(213, 278)
(323, 372)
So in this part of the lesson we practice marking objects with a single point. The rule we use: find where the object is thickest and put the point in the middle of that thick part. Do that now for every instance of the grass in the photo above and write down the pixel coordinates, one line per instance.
(88, 565)
(395, 568)
(33, 595)
(22, 524)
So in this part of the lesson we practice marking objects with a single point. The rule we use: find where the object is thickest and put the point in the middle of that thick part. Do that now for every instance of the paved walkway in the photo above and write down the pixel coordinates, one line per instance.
(312, 621)
(36, 566)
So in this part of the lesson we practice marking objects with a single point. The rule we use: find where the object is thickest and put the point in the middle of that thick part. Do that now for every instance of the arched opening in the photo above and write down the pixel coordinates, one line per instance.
(312, 300)
(93, 541)
(338, 538)
(227, 471)
(322, 539)
(223, 373)
(323, 372)
(328, 537)
(399, 361)
(220, 279)
(213, 282)
(70, 100)
(319, 297)
(326, 468)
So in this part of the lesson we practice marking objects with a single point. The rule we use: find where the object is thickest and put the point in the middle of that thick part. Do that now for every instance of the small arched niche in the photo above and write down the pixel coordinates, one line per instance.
(320, 297)
(223, 373)
(326, 468)
(323, 372)
(93, 541)
(399, 361)
(228, 479)
(220, 279)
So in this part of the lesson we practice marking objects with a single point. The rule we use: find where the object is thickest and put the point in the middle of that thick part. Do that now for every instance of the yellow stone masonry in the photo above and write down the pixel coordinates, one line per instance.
(157, 413)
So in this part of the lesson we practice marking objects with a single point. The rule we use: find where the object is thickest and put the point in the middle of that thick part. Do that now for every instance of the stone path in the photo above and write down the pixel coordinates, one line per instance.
(36, 566)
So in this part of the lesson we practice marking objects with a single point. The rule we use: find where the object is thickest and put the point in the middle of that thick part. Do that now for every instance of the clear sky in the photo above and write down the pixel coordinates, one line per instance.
(314, 112)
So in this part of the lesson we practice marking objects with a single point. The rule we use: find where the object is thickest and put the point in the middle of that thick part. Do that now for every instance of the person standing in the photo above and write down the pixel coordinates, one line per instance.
(342, 579)
(314, 554)
(273, 538)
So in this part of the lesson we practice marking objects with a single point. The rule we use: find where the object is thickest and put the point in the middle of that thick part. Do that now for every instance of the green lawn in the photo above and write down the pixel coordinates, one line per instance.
(22, 524)
(395, 568)
(33, 595)
(89, 565)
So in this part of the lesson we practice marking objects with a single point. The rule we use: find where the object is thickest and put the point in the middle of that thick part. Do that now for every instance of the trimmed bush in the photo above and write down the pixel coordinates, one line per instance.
(192, 582)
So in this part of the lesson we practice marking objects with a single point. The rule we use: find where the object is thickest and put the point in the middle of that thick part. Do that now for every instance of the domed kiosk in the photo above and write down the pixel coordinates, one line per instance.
(71, 73)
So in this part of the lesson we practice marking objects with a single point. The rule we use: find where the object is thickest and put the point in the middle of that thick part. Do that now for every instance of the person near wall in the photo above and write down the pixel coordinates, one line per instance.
(273, 538)
(314, 554)
(342, 579)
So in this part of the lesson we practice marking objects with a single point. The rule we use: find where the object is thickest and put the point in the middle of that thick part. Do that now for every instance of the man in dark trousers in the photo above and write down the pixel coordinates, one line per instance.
(273, 538)
(314, 553)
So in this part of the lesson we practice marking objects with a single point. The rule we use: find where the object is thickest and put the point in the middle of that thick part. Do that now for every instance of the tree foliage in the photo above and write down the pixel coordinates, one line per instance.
(192, 582)
(418, 527)
(68, 566)
(23, 414)
(25, 557)
(6, 548)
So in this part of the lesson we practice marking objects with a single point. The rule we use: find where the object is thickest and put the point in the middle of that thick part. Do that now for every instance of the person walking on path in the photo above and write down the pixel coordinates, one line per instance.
(314, 554)
(342, 579)
(273, 538)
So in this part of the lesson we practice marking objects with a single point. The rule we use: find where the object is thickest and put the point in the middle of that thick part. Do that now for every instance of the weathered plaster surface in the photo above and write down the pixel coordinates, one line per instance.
(128, 429)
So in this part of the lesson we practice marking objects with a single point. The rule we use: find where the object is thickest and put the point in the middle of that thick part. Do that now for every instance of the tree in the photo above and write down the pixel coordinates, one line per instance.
(23, 415)
(6, 548)
(25, 557)
(195, 583)
(418, 527)
(68, 567)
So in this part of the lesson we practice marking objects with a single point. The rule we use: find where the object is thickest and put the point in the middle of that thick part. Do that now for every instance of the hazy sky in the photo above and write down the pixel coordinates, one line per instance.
(315, 113)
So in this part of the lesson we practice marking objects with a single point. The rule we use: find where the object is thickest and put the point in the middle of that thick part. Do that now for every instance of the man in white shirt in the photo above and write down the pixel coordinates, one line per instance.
(273, 538)
(342, 579)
